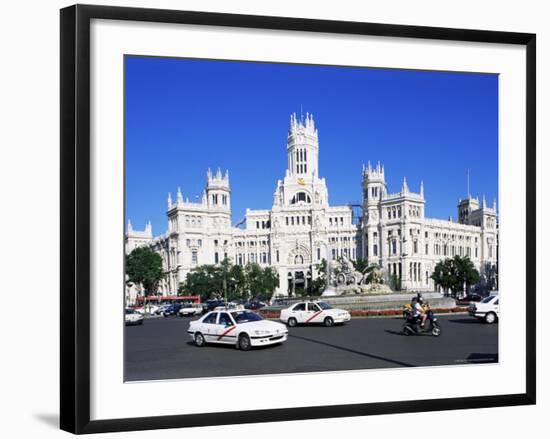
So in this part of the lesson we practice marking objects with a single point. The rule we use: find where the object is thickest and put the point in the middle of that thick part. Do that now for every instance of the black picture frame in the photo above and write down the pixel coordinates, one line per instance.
(75, 217)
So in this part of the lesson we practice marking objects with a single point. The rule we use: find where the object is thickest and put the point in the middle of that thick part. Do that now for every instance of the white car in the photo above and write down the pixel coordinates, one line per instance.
(191, 309)
(314, 312)
(486, 310)
(239, 327)
(132, 317)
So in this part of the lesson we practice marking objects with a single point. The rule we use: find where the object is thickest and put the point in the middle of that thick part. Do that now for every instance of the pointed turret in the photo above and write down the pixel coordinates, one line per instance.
(179, 196)
(422, 189)
(169, 200)
(405, 187)
(130, 229)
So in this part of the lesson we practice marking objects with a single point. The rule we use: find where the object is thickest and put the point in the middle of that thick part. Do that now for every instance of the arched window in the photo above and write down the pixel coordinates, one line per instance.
(301, 196)
(298, 259)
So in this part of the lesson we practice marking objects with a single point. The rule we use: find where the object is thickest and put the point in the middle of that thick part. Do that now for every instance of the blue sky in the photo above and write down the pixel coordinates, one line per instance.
(183, 116)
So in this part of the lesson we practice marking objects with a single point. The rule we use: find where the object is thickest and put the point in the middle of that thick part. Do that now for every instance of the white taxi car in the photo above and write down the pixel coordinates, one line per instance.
(132, 317)
(240, 327)
(314, 312)
(191, 309)
(486, 310)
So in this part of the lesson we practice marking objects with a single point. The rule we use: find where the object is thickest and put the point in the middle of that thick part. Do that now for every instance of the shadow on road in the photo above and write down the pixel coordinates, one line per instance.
(482, 358)
(395, 332)
(465, 321)
(353, 351)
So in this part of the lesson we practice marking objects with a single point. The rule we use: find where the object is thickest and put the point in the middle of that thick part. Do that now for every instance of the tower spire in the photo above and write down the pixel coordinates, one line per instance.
(405, 187)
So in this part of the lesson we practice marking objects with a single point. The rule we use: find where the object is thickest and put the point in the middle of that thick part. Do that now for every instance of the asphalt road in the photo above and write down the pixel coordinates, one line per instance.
(162, 349)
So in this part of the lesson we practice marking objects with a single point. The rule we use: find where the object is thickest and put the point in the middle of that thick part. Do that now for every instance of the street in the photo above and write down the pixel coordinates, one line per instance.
(162, 349)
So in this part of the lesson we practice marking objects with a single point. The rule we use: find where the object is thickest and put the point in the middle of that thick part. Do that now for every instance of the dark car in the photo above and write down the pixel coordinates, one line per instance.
(211, 304)
(254, 305)
(466, 300)
(171, 310)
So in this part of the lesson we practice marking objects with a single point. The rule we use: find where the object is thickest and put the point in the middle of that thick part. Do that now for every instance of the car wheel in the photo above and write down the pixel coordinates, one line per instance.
(292, 322)
(490, 317)
(436, 331)
(244, 342)
(199, 340)
(328, 322)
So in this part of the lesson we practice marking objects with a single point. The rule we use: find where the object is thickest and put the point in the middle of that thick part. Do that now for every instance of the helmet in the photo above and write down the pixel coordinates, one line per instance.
(420, 300)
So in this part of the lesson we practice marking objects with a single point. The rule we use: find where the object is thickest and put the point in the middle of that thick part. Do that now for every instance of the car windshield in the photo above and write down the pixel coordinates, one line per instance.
(324, 305)
(488, 299)
(245, 316)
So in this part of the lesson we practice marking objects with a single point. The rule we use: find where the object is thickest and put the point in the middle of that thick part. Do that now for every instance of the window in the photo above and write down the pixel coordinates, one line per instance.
(426, 251)
(415, 246)
(300, 197)
(216, 258)
(215, 242)
(225, 320)
(375, 250)
(287, 220)
(277, 255)
(299, 307)
(194, 258)
(312, 307)
(394, 247)
(318, 254)
(199, 242)
(211, 318)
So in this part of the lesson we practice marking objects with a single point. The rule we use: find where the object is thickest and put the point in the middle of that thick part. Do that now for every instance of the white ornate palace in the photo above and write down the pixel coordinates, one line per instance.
(302, 228)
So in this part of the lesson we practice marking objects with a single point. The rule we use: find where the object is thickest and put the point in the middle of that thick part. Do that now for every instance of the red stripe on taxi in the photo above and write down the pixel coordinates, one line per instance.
(314, 315)
(226, 332)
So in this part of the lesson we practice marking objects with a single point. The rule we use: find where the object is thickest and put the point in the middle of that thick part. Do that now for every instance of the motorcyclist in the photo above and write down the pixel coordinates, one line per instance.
(418, 310)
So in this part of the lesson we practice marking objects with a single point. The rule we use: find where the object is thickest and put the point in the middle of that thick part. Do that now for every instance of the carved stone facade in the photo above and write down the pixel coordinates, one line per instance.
(302, 228)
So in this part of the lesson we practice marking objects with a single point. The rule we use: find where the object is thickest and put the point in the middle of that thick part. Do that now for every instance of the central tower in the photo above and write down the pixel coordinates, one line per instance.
(302, 147)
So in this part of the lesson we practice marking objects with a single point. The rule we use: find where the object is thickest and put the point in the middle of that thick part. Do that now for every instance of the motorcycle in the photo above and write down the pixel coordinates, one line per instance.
(412, 325)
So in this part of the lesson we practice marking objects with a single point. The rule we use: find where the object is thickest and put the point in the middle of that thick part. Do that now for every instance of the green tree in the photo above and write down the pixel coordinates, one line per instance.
(395, 282)
(456, 274)
(360, 265)
(270, 283)
(144, 268)
(204, 280)
(319, 284)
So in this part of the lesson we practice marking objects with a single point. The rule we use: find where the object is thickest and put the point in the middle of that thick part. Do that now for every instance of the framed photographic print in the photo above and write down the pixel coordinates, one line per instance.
(304, 216)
